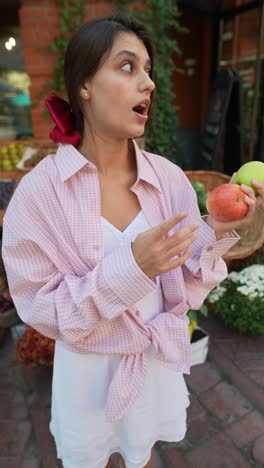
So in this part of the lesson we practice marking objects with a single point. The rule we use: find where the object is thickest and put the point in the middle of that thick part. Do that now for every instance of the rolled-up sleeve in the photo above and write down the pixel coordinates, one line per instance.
(69, 306)
(203, 274)
(205, 268)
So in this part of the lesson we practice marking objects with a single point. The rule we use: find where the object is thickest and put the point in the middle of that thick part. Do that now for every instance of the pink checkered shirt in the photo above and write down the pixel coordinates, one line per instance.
(64, 287)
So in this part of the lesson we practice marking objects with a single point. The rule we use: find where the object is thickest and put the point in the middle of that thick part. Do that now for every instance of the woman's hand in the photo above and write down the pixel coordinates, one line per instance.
(252, 201)
(155, 253)
(260, 192)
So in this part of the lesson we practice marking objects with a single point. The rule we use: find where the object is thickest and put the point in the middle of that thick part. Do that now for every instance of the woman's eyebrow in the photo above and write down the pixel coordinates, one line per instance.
(131, 54)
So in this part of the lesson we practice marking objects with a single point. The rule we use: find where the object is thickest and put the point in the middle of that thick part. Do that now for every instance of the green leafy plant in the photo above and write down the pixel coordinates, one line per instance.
(162, 19)
(239, 300)
(193, 314)
(71, 15)
(122, 5)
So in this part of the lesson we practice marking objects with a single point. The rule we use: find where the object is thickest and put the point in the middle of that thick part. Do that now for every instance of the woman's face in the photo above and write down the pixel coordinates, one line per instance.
(120, 91)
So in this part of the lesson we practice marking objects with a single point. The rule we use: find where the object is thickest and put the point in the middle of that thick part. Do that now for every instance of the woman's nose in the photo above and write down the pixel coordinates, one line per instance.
(147, 83)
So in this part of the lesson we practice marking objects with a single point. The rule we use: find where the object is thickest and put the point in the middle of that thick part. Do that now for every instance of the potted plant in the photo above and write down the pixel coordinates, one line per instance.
(239, 300)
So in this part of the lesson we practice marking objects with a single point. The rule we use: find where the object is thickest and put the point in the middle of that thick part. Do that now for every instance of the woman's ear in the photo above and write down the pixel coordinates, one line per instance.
(84, 90)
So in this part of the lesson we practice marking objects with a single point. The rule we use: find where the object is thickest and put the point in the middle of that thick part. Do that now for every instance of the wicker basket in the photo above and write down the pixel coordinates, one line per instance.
(252, 236)
(210, 179)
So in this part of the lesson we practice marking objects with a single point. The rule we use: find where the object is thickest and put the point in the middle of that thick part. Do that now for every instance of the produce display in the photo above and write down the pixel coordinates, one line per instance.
(23, 157)
(10, 156)
(33, 160)
(202, 195)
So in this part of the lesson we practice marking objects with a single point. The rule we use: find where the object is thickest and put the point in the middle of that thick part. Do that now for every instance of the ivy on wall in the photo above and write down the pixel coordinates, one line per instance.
(122, 5)
(72, 16)
(162, 19)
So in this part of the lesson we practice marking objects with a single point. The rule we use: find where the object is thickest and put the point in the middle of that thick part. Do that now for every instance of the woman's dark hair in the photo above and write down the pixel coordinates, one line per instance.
(90, 47)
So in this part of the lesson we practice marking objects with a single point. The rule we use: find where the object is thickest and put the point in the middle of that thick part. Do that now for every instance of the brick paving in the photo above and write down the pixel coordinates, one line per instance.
(225, 417)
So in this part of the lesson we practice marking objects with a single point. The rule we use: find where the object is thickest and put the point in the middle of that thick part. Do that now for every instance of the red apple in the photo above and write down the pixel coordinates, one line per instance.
(226, 203)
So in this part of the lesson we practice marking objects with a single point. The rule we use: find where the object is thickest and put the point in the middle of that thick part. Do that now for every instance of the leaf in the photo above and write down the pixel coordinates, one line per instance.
(204, 310)
(160, 17)
(192, 314)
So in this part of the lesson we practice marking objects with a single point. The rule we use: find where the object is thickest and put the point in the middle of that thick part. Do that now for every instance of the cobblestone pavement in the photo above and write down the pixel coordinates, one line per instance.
(225, 418)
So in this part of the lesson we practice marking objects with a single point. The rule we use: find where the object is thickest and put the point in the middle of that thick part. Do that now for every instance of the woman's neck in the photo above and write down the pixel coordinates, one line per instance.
(109, 157)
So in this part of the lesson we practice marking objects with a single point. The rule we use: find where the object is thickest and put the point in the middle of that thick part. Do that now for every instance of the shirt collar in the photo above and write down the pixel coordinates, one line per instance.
(69, 161)
(145, 170)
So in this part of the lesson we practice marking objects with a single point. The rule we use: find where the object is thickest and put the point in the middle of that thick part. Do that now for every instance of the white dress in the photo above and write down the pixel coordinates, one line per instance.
(84, 439)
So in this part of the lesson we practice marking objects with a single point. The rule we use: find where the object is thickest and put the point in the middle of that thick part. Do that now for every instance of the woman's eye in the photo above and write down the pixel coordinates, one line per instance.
(127, 66)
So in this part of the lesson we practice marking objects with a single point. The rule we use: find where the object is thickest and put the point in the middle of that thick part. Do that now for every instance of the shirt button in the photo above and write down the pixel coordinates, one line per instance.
(209, 249)
(137, 313)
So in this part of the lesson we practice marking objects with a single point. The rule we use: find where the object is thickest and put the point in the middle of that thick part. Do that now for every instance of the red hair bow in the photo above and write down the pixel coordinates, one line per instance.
(60, 111)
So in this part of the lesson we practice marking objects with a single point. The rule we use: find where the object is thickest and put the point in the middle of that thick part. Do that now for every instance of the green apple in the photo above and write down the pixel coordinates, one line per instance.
(11, 152)
(20, 149)
(199, 187)
(253, 170)
(3, 150)
(7, 165)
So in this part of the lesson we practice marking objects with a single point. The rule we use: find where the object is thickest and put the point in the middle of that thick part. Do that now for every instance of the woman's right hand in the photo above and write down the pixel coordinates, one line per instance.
(155, 254)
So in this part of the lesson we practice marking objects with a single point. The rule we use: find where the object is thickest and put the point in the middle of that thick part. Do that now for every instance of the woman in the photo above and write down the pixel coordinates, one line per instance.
(105, 252)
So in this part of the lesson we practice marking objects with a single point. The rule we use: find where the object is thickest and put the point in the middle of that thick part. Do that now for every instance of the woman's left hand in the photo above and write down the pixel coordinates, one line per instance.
(260, 192)
(253, 202)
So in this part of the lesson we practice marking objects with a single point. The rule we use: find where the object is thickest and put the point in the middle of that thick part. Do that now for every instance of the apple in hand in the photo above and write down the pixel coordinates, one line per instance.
(253, 170)
(226, 203)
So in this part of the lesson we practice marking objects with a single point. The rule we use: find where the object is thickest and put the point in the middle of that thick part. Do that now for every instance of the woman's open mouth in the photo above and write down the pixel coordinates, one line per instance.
(142, 109)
